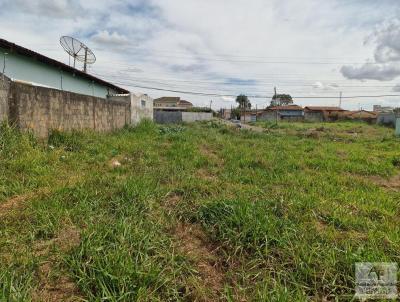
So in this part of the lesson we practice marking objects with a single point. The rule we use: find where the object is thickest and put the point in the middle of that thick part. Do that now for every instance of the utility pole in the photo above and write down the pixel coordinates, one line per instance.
(4, 64)
(256, 112)
(211, 104)
(276, 111)
(244, 116)
(61, 77)
(340, 100)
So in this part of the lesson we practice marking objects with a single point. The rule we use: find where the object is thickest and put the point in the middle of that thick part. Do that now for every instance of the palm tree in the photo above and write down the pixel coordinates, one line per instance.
(243, 101)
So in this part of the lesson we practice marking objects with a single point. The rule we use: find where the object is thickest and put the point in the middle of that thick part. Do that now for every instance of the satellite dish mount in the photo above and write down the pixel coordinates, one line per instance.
(78, 51)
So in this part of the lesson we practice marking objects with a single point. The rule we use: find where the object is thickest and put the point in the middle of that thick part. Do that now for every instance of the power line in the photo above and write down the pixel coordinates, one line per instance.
(253, 96)
(166, 81)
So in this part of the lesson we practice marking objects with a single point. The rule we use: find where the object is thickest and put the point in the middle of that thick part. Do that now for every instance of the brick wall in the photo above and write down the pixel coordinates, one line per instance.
(41, 109)
(4, 90)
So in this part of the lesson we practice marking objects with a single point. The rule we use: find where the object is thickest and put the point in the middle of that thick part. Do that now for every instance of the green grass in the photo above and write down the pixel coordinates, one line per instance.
(285, 213)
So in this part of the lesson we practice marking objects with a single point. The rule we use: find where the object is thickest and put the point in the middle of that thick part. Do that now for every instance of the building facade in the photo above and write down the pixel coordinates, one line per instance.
(288, 113)
(172, 102)
(322, 113)
(26, 66)
(141, 106)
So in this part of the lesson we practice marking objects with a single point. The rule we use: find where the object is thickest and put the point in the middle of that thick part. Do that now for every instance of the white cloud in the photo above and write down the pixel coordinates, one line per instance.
(59, 9)
(201, 44)
(368, 71)
(386, 38)
(326, 87)
(396, 88)
(114, 38)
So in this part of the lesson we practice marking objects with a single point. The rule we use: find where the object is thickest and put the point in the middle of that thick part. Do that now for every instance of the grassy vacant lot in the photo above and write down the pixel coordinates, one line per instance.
(201, 212)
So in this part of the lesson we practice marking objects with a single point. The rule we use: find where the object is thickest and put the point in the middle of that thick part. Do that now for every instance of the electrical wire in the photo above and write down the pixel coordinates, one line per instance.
(252, 96)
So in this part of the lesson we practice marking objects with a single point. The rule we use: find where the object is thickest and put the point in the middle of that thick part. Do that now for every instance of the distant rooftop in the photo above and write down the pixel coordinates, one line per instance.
(323, 108)
(286, 107)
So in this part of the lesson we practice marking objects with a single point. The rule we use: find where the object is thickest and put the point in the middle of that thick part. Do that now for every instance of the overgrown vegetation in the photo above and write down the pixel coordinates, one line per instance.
(196, 212)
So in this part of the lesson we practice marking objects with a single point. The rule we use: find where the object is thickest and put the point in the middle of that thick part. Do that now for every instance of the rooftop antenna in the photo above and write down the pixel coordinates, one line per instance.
(78, 51)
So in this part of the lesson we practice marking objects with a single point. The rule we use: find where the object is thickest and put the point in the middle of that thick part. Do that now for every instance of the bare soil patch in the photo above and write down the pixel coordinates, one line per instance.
(54, 286)
(211, 154)
(392, 183)
(206, 175)
(193, 242)
(18, 202)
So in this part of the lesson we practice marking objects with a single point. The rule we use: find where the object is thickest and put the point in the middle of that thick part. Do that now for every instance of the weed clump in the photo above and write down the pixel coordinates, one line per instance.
(165, 130)
(243, 225)
(69, 141)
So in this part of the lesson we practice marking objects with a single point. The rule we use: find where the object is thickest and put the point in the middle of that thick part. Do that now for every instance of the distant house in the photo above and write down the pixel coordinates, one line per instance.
(172, 102)
(360, 114)
(382, 109)
(226, 114)
(250, 116)
(386, 119)
(287, 112)
(322, 113)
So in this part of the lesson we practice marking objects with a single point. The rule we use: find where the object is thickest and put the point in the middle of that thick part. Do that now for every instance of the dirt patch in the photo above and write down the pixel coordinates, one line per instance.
(55, 286)
(66, 240)
(312, 133)
(193, 242)
(172, 199)
(322, 227)
(61, 289)
(392, 183)
(205, 174)
(18, 202)
(342, 154)
(211, 154)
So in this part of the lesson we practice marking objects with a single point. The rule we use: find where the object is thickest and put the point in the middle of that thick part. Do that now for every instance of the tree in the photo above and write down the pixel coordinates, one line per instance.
(243, 101)
(236, 113)
(281, 99)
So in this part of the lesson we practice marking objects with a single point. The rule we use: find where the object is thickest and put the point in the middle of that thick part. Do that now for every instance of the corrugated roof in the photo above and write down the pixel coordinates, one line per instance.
(361, 113)
(323, 108)
(287, 107)
(185, 102)
(168, 99)
(14, 48)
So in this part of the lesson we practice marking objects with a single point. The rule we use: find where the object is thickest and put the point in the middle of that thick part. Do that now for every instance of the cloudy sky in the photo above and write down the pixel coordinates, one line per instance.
(307, 48)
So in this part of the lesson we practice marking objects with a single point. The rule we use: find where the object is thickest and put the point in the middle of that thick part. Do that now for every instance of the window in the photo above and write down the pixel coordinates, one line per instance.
(143, 102)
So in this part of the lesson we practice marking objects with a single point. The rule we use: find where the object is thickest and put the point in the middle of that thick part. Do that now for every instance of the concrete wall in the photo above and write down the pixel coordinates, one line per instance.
(269, 116)
(171, 117)
(313, 116)
(141, 106)
(292, 118)
(190, 117)
(27, 69)
(167, 117)
(4, 91)
(41, 109)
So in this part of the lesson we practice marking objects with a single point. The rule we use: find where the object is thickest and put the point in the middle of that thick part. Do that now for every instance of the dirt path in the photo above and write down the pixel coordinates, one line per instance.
(244, 126)
(54, 285)
(192, 242)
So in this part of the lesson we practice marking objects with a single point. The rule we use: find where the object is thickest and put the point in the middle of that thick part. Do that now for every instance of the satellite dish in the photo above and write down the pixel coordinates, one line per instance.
(79, 51)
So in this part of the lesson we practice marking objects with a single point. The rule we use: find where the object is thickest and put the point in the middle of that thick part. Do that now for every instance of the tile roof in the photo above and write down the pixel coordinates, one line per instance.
(323, 108)
(287, 107)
